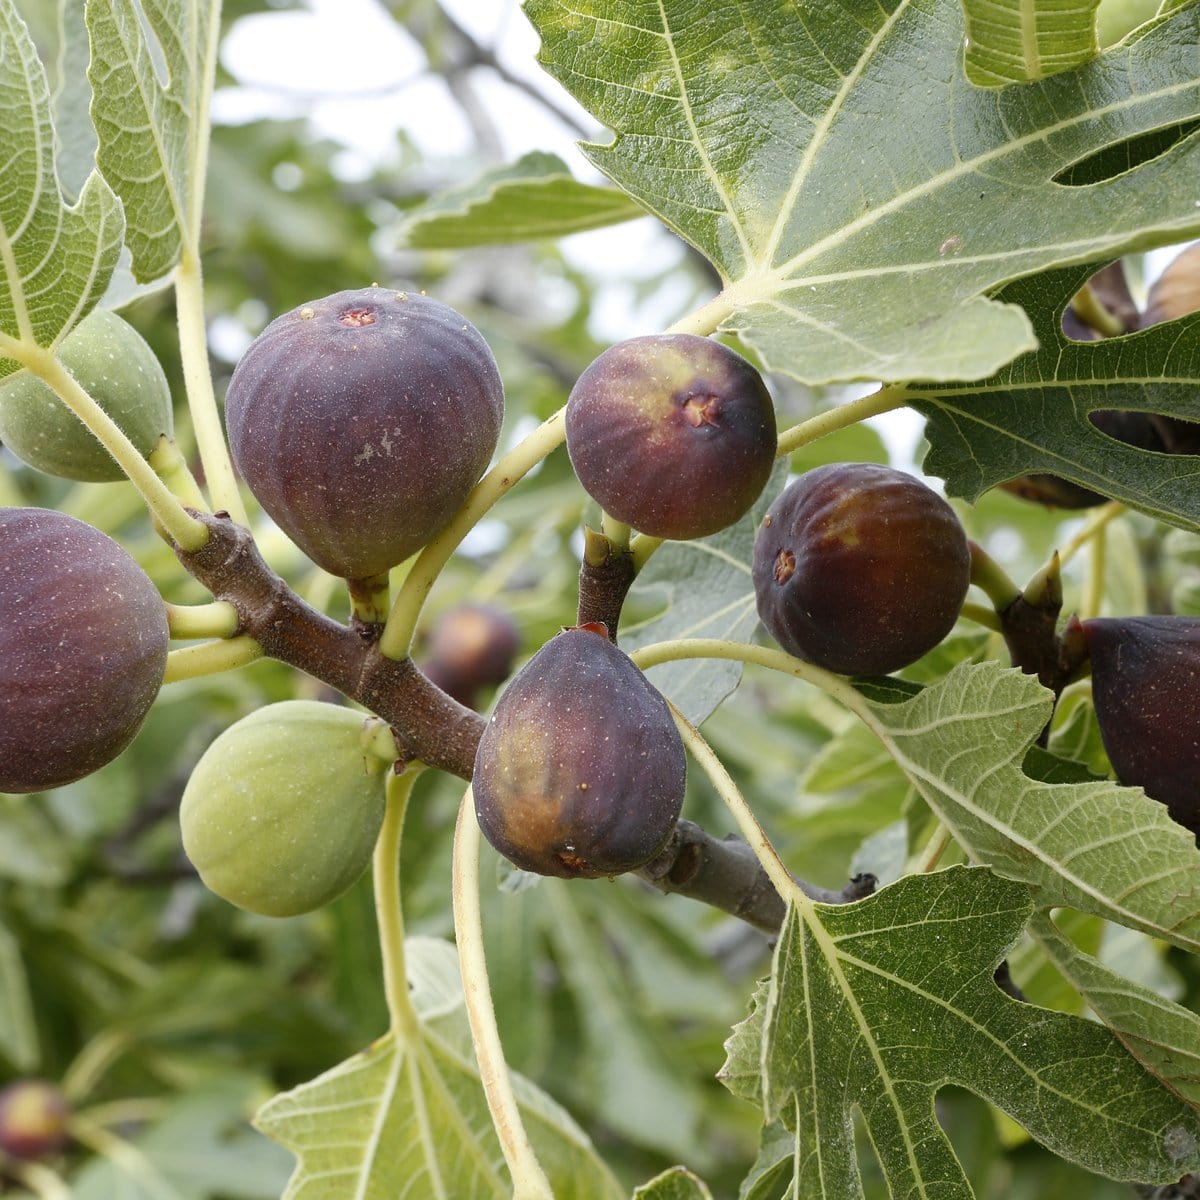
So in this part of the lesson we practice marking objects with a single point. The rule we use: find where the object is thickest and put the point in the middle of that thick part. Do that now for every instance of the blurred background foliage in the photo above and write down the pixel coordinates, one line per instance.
(167, 1015)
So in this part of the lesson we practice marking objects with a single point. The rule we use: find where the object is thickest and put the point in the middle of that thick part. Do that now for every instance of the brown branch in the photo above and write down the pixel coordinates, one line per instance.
(605, 577)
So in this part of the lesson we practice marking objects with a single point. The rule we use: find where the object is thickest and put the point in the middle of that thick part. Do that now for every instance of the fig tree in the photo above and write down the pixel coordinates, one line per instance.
(83, 646)
(471, 646)
(860, 569)
(113, 363)
(282, 811)
(361, 421)
(580, 771)
(673, 434)
(34, 1115)
(1146, 689)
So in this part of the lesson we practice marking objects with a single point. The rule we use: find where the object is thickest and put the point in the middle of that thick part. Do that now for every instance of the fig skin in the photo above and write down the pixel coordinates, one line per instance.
(1176, 292)
(34, 1115)
(282, 811)
(83, 647)
(1146, 689)
(361, 421)
(115, 366)
(471, 647)
(580, 771)
(672, 434)
(860, 569)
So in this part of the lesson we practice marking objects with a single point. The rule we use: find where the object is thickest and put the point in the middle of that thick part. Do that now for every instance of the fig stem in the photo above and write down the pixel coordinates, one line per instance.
(981, 615)
(211, 658)
(39, 1179)
(216, 620)
(183, 528)
(197, 379)
(369, 599)
(171, 467)
(1091, 311)
(528, 1178)
(938, 842)
(990, 577)
(616, 531)
(884, 400)
(707, 318)
(642, 547)
(1089, 529)
(123, 1154)
(396, 641)
(385, 871)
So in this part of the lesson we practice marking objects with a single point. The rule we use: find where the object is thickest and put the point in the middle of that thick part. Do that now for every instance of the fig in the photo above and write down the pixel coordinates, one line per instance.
(33, 1119)
(1146, 689)
(1176, 292)
(83, 646)
(580, 771)
(672, 434)
(471, 646)
(860, 569)
(115, 366)
(361, 421)
(282, 811)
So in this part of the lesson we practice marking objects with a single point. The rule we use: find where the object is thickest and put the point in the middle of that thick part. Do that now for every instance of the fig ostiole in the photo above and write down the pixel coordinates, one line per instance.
(672, 434)
(83, 647)
(361, 421)
(581, 771)
(281, 814)
(112, 362)
(860, 569)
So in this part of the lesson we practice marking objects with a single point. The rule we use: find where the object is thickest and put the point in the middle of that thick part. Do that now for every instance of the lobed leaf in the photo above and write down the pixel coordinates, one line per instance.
(1014, 41)
(676, 1183)
(861, 197)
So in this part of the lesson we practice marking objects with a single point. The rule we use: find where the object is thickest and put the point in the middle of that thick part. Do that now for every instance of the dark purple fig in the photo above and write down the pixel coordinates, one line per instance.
(860, 569)
(1146, 688)
(34, 1116)
(1176, 292)
(83, 646)
(471, 646)
(361, 421)
(580, 772)
(672, 434)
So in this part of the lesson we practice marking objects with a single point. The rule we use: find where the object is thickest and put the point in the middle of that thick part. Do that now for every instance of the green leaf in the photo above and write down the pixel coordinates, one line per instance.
(18, 1034)
(151, 74)
(701, 589)
(1164, 1037)
(1014, 41)
(1033, 415)
(962, 743)
(408, 1115)
(56, 257)
(76, 155)
(677, 1183)
(536, 197)
(873, 1007)
(859, 195)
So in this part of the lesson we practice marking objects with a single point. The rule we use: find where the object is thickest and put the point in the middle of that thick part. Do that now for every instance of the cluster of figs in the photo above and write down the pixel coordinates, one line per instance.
(361, 422)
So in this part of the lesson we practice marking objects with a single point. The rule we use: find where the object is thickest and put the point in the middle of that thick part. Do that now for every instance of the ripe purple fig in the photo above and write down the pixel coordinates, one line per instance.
(471, 646)
(580, 772)
(1176, 292)
(361, 421)
(33, 1119)
(860, 569)
(1146, 688)
(83, 646)
(672, 434)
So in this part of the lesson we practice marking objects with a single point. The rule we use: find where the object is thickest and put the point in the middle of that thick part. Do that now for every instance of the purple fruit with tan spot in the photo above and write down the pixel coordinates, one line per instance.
(34, 1116)
(673, 434)
(860, 569)
(580, 772)
(361, 421)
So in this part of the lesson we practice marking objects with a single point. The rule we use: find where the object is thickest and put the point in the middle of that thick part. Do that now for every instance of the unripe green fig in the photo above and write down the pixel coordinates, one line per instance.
(361, 421)
(860, 569)
(672, 434)
(282, 811)
(83, 647)
(114, 365)
(34, 1115)
(471, 646)
(1146, 689)
(580, 771)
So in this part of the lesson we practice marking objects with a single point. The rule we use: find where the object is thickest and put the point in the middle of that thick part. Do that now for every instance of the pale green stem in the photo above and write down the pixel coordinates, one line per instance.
(386, 872)
(1092, 600)
(1092, 312)
(202, 403)
(934, 849)
(981, 615)
(171, 467)
(1088, 530)
(707, 318)
(149, 1180)
(184, 529)
(642, 547)
(882, 401)
(396, 642)
(369, 598)
(211, 658)
(988, 575)
(739, 809)
(126, 1112)
(616, 531)
(216, 620)
(528, 1178)
(38, 1179)
(93, 1060)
